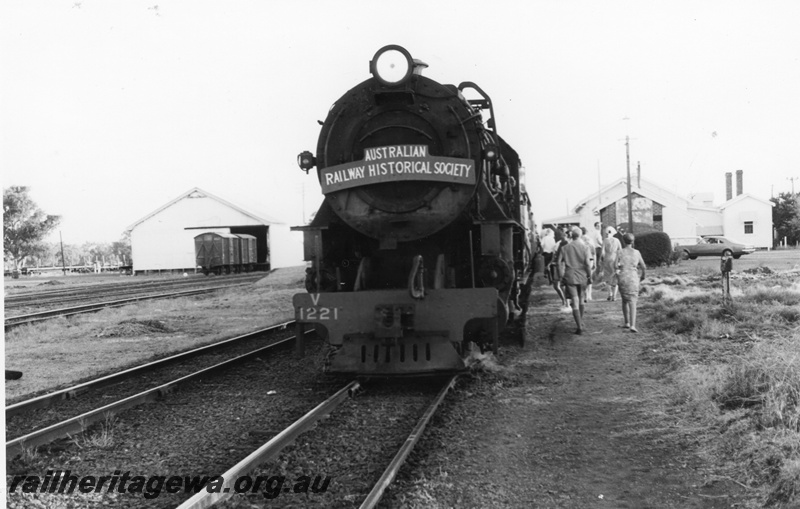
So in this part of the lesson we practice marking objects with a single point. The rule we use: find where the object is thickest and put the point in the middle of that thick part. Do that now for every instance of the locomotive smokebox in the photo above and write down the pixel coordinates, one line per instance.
(400, 155)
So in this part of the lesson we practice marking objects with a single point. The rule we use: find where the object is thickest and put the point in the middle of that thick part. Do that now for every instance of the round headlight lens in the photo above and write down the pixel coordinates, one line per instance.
(392, 65)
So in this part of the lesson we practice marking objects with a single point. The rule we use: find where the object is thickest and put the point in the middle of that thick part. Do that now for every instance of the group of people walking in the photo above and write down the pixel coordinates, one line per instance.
(584, 258)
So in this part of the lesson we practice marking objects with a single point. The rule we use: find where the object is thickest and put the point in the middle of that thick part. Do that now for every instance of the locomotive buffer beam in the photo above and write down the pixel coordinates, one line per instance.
(387, 332)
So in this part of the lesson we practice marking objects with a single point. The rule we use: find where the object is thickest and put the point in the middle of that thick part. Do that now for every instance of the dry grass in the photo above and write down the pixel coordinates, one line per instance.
(736, 372)
(62, 351)
(101, 436)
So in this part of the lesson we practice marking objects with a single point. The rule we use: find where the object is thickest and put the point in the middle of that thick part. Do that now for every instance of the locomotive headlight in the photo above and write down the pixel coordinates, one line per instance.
(306, 160)
(392, 65)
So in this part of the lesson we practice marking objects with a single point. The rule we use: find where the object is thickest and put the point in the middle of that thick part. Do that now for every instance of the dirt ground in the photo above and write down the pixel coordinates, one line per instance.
(568, 422)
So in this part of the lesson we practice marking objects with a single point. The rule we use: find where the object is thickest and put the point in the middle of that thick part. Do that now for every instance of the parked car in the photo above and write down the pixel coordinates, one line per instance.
(714, 245)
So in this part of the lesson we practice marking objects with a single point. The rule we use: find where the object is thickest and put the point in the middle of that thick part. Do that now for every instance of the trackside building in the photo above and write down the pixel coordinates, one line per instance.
(163, 241)
(744, 218)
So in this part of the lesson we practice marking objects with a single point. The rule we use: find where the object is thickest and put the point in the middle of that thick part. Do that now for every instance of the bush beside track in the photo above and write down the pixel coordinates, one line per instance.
(656, 248)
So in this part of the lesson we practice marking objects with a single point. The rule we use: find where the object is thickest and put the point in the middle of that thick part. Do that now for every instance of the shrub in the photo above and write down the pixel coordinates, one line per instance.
(656, 248)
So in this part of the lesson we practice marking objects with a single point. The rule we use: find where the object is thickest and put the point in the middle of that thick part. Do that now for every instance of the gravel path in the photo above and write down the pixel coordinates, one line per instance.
(569, 422)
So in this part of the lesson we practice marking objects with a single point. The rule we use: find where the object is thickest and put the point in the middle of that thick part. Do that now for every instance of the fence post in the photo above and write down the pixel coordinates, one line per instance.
(725, 266)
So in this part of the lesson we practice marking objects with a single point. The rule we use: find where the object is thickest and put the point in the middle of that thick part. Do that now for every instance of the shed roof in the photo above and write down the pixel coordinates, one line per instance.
(742, 197)
(572, 218)
(196, 192)
(612, 192)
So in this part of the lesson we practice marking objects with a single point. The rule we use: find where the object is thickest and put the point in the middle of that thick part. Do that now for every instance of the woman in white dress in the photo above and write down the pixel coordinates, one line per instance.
(608, 261)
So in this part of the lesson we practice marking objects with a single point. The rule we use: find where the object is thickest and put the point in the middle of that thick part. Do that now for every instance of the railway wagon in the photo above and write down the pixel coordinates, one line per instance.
(217, 253)
(248, 252)
(421, 249)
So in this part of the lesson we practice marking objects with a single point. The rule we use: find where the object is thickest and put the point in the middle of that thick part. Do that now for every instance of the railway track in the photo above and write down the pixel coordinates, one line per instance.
(31, 318)
(399, 459)
(38, 298)
(270, 450)
(77, 423)
(223, 436)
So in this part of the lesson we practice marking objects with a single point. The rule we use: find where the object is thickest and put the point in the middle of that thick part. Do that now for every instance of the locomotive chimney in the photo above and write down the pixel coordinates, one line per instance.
(738, 182)
(728, 186)
(419, 65)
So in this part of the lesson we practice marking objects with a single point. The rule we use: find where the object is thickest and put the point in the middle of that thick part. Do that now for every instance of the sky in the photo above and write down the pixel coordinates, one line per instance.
(110, 109)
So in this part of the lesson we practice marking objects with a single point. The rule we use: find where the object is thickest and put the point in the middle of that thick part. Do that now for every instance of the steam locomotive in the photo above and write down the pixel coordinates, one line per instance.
(422, 247)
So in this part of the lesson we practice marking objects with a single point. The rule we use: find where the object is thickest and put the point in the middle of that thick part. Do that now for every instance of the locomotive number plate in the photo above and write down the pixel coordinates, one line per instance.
(316, 313)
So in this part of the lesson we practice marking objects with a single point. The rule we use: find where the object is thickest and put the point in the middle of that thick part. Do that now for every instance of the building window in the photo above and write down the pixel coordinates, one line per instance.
(748, 227)
(657, 217)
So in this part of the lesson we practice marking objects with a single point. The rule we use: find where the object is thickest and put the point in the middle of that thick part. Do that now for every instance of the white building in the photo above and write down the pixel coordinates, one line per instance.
(745, 218)
(164, 239)
(748, 219)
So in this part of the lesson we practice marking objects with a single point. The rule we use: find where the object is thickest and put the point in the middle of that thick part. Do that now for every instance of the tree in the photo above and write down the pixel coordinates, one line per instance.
(24, 225)
(786, 217)
(122, 249)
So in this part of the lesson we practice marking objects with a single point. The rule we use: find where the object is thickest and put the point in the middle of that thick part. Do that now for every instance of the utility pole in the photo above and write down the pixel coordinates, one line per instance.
(63, 263)
(630, 198)
(792, 179)
(599, 215)
(304, 202)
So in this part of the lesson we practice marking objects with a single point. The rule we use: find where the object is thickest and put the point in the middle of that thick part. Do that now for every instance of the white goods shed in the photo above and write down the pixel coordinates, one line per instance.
(164, 239)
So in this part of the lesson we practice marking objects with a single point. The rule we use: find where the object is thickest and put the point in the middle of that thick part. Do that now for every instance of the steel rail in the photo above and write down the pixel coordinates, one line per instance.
(203, 498)
(79, 292)
(72, 392)
(81, 422)
(391, 471)
(15, 321)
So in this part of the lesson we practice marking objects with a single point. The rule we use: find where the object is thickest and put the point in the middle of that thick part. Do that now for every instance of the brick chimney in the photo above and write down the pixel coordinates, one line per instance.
(728, 186)
(738, 182)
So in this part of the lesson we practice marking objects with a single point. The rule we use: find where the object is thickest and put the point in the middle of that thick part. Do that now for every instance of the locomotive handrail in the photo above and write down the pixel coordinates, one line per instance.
(485, 103)
(416, 279)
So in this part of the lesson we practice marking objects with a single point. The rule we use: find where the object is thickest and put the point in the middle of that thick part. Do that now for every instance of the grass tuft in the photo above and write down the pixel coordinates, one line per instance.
(101, 437)
(773, 296)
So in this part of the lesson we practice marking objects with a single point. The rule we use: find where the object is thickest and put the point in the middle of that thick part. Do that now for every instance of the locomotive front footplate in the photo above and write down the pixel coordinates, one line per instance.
(388, 332)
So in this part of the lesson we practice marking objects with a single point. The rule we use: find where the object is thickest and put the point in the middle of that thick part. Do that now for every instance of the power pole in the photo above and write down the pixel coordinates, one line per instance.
(63, 262)
(792, 179)
(304, 202)
(630, 198)
(599, 215)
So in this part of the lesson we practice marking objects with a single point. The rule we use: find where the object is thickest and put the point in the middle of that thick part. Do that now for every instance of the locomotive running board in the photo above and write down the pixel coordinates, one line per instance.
(432, 343)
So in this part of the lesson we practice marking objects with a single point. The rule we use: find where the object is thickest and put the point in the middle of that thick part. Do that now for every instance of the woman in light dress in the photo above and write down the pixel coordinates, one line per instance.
(608, 261)
(630, 271)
